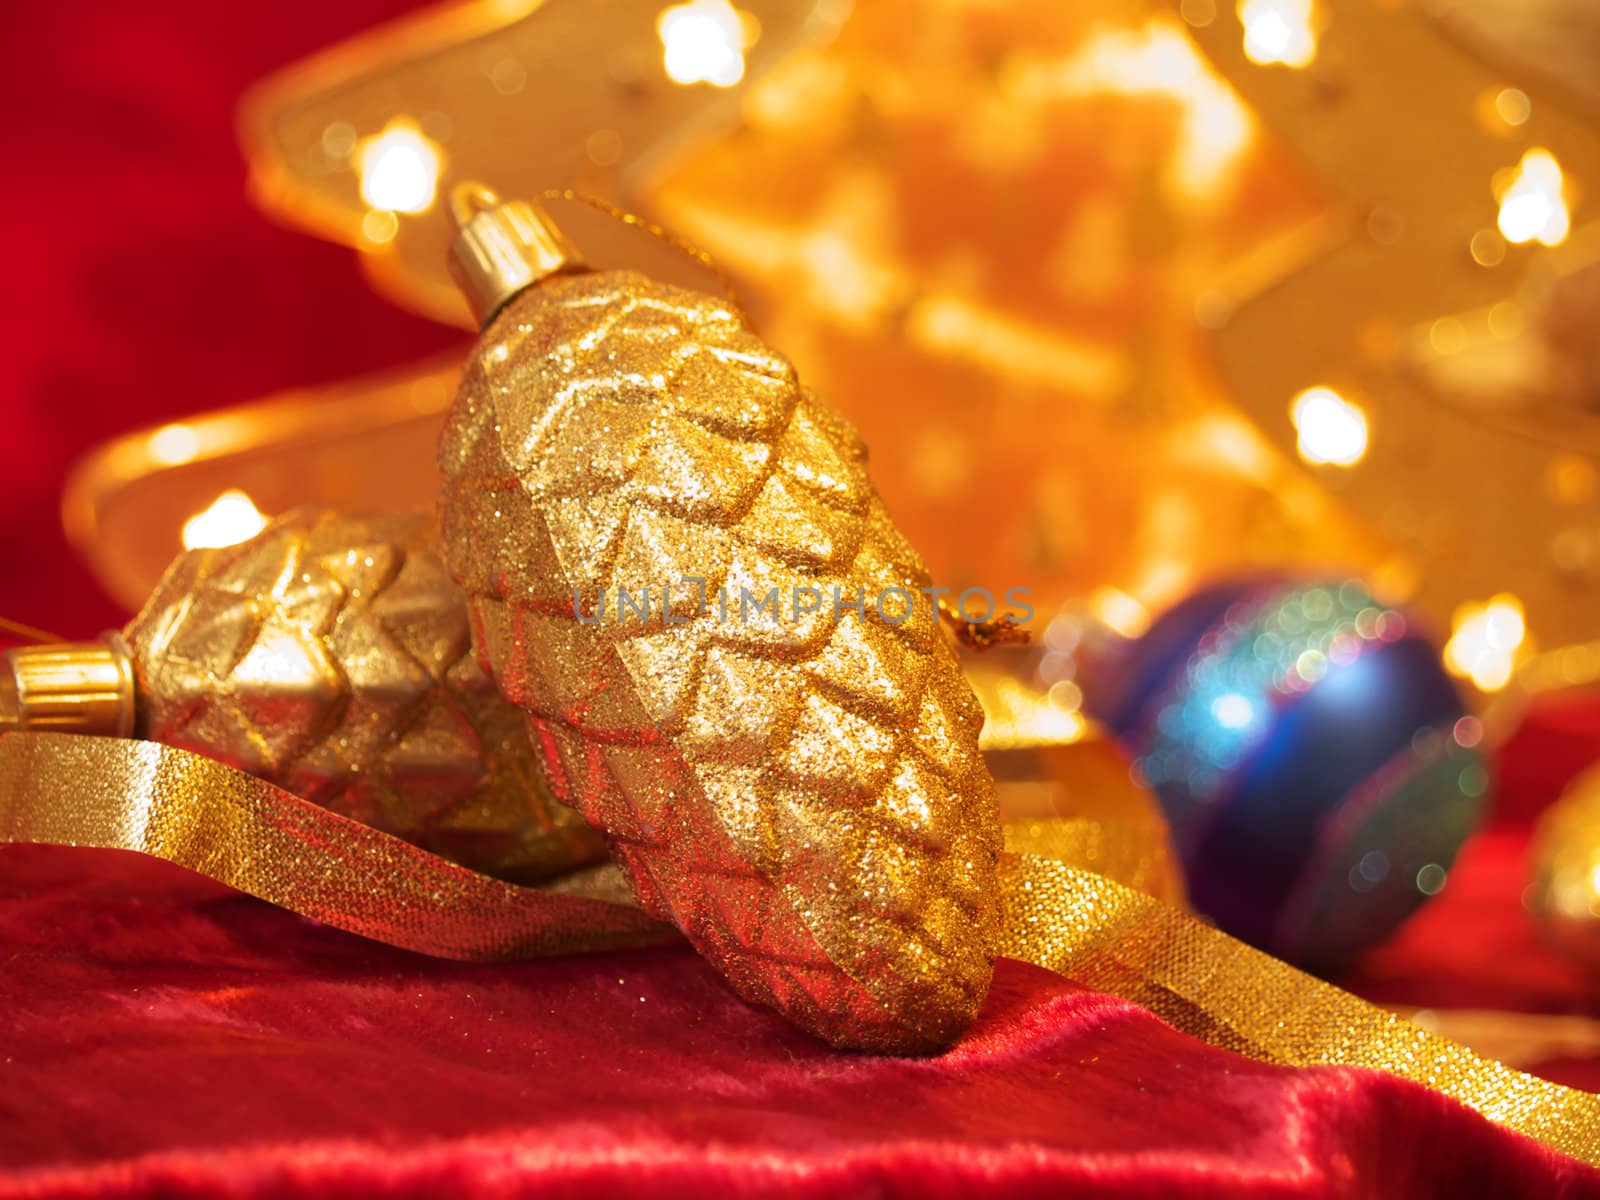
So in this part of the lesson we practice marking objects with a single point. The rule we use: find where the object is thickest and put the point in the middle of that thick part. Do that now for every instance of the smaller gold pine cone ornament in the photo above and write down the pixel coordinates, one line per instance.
(331, 656)
(632, 480)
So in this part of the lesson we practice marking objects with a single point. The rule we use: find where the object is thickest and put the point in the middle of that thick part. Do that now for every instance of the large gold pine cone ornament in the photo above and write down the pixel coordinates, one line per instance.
(802, 796)
(331, 655)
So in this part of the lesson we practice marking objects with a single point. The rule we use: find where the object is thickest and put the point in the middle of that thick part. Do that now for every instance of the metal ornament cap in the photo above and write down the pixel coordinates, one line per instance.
(502, 247)
(72, 687)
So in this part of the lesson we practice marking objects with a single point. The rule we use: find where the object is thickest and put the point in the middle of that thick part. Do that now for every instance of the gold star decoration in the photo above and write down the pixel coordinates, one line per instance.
(1400, 337)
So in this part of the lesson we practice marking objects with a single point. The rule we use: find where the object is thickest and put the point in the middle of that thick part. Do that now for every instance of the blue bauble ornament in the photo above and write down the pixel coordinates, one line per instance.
(1316, 763)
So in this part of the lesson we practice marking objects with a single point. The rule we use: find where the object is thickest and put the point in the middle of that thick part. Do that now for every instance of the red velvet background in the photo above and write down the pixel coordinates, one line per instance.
(161, 1036)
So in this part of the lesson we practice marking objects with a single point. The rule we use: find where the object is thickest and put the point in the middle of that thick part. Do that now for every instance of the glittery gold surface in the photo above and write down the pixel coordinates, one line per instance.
(331, 655)
(1133, 853)
(804, 798)
(74, 790)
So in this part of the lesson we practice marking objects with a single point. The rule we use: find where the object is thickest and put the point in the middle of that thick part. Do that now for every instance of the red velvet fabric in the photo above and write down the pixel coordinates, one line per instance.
(160, 1036)
(1476, 946)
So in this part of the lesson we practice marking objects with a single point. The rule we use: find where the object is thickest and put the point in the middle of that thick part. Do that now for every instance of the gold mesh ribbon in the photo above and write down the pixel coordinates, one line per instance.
(1110, 937)
(69, 790)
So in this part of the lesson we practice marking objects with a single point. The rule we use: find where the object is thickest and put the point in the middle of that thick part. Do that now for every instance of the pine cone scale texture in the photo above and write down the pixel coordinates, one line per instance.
(332, 656)
(653, 520)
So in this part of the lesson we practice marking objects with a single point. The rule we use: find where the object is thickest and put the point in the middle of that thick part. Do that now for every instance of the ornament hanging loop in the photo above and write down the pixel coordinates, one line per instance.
(31, 633)
(504, 246)
(660, 233)
(981, 635)
(470, 199)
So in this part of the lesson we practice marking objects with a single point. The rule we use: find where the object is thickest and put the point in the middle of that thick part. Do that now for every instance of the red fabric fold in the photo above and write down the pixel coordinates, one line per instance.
(165, 1037)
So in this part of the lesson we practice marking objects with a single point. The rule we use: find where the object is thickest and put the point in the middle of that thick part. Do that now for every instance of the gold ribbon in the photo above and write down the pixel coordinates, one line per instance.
(71, 790)
(1104, 935)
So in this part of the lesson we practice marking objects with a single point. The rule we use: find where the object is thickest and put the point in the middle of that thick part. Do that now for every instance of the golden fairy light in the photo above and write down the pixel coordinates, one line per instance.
(399, 168)
(1484, 641)
(230, 519)
(704, 41)
(173, 445)
(1332, 430)
(1533, 206)
(1278, 32)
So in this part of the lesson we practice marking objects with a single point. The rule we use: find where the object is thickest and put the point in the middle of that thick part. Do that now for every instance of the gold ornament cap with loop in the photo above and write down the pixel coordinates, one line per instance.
(70, 687)
(502, 247)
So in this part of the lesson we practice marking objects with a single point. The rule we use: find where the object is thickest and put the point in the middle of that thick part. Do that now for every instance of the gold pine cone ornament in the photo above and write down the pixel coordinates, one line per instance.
(632, 478)
(331, 656)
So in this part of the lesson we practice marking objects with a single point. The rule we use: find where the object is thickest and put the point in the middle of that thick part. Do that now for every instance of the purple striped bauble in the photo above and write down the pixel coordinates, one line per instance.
(1317, 764)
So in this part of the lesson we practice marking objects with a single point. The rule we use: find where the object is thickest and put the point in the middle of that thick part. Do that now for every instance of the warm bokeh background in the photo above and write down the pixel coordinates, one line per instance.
(141, 284)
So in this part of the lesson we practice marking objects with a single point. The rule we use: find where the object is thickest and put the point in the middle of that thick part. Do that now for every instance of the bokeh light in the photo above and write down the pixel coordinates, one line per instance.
(1278, 32)
(1513, 106)
(1484, 641)
(1233, 710)
(230, 519)
(704, 42)
(172, 445)
(1331, 429)
(1533, 206)
(399, 168)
